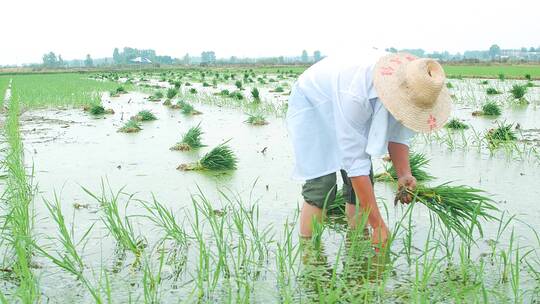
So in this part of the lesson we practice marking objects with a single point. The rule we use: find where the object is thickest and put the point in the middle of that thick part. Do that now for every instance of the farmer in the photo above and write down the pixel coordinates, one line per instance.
(343, 111)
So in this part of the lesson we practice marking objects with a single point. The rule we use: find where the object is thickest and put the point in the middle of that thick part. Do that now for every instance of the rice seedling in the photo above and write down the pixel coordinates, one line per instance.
(117, 92)
(502, 77)
(458, 207)
(193, 91)
(256, 120)
(220, 158)
(503, 133)
(167, 103)
(165, 219)
(157, 96)
(484, 82)
(188, 109)
(177, 85)
(131, 126)
(528, 77)
(191, 140)
(171, 93)
(224, 93)
(518, 91)
(490, 108)
(255, 94)
(456, 124)
(144, 115)
(68, 257)
(236, 95)
(529, 84)
(418, 163)
(96, 109)
(449, 85)
(492, 91)
(238, 84)
(206, 84)
(120, 227)
(187, 84)
(19, 218)
(278, 89)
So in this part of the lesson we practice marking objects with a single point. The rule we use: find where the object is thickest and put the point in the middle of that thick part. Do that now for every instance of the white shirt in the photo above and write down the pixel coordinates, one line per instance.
(336, 120)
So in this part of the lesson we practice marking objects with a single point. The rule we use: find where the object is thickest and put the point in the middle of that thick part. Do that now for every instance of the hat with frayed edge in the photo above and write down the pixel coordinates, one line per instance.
(413, 90)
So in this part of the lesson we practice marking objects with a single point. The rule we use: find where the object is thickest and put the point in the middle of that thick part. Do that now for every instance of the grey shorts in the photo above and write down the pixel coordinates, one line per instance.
(321, 191)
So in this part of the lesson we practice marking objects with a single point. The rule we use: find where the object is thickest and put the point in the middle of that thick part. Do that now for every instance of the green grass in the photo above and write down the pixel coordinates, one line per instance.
(58, 90)
(493, 71)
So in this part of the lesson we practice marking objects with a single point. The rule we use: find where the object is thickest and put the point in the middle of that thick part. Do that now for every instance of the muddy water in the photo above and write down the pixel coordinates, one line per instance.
(70, 149)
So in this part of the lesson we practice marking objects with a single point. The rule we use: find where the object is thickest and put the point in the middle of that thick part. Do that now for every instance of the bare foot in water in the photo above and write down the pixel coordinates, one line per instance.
(379, 237)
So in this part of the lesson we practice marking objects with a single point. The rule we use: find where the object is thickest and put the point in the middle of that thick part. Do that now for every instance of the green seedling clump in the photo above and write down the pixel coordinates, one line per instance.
(518, 91)
(279, 90)
(221, 158)
(144, 115)
(193, 91)
(501, 134)
(167, 103)
(484, 82)
(449, 85)
(456, 124)
(492, 91)
(255, 94)
(457, 207)
(528, 77)
(491, 108)
(236, 95)
(131, 126)
(157, 96)
(188, 109)
(118, 91)
(171, 93)
(256, 119)
(191, 140)
(418, 163)
(238, 84)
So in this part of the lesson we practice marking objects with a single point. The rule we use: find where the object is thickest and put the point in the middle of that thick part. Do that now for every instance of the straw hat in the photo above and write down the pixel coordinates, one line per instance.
(413, 90)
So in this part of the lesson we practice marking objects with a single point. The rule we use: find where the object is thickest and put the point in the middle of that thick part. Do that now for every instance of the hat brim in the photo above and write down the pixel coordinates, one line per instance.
(398, 102)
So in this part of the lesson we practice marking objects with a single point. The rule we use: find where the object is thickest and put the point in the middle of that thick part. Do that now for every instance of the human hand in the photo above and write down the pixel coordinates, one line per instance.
(405, 182)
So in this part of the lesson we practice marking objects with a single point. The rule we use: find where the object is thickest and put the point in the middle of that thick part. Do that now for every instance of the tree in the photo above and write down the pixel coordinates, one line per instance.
(494, 51)
(117, 58)
(304, 57)
(317, 55)
(391, 49)
(60, 61)
(49, 60)
(531, 49)
(88, 62)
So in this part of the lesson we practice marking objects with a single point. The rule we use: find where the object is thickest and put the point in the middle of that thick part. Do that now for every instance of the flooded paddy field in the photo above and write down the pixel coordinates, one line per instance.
(114, 220)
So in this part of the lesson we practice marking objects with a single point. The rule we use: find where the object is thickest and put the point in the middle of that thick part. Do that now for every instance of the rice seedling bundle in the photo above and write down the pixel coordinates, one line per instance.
(157, 96)
(144, 115)
(418, 163)
(255, 94)
(131, 126)
(191, 140)
(456, 124)
(492, 91)
(256, 119)
(193, 91)
(501, 134)
(220, 158)
(188, 109)
(458, 207)
(238, 84)
(491, 108)
(449, 85)
(236, 95)
(97, 110)
(518, 91)
(171, 93)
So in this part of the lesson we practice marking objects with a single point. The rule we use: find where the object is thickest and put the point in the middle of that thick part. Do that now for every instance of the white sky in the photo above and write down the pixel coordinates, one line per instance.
(73, 28)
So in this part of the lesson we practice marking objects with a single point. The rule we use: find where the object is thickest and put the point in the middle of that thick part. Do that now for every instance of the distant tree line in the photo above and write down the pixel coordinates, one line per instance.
(128, 55)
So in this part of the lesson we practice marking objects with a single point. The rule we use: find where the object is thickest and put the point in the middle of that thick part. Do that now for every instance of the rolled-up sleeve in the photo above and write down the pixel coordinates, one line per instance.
(352, 120)
(398, 133)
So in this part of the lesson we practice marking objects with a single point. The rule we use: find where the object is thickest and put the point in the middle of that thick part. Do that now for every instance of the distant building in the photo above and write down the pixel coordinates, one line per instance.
(140, 60)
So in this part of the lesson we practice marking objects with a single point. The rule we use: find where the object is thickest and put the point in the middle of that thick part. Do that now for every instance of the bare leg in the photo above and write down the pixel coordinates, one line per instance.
(306, 216)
